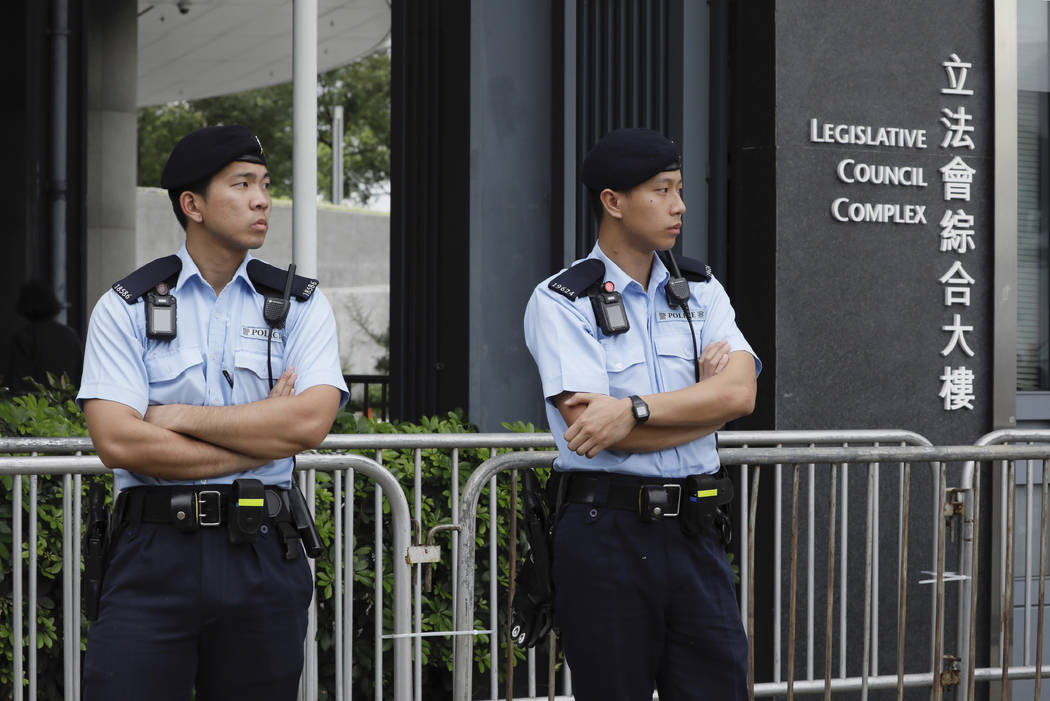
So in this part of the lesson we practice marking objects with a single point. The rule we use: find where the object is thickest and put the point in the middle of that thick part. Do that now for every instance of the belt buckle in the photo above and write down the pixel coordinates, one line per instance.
(655, 501)
(209, 508)
(677, 499)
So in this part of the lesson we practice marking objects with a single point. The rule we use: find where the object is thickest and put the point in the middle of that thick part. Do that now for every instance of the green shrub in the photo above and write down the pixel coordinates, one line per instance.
(48, 412)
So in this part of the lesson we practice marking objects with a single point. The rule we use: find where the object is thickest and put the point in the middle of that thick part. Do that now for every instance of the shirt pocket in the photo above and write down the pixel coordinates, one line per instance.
(253, 375)
(625, 366)
(176, 376)
(677, 360)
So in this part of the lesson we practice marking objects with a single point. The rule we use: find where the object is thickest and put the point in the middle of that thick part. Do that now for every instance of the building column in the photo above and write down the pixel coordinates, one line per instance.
(112, 57)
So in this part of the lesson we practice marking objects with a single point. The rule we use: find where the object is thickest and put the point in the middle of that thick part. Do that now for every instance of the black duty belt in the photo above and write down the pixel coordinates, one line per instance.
(648, 497)
(651, 498)
(191, 507)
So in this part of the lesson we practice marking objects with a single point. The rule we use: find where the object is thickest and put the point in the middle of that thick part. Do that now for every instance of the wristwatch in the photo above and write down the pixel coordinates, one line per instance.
(640, 409)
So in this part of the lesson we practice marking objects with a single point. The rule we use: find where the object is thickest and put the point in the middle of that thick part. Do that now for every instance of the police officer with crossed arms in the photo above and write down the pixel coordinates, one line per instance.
(204, 373)
(641, 362)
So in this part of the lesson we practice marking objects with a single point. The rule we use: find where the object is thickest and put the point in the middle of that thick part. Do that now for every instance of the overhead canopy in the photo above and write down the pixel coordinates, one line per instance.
(190, 49)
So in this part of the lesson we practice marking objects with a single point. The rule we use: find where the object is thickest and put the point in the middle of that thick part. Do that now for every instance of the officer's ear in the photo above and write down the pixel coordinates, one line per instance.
(612, 201)
(191, 202)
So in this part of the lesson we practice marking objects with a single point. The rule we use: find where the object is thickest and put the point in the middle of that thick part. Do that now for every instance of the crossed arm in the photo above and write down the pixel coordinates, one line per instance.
(726, 391)
(180, 441)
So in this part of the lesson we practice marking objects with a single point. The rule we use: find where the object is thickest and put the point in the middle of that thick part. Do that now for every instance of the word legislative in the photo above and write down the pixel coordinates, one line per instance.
(861, 135)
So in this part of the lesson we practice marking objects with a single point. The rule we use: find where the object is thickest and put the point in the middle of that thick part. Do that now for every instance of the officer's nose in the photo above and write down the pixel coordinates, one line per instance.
(678, 205)
(261, 200)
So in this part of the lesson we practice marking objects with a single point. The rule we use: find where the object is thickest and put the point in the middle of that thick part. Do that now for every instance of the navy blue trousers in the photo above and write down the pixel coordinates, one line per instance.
(642, 606)
(190, 610)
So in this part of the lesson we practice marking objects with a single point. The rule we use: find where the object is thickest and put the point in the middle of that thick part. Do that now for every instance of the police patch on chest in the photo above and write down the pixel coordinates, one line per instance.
(260, 332)
(679, 315)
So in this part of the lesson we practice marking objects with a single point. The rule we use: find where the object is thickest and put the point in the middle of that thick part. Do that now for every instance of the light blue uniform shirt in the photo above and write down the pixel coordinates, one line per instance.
(655, 355)
(215, 334)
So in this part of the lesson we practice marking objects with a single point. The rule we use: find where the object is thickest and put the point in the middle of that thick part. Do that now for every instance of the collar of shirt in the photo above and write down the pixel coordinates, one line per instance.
(658, 275)
(190, 270)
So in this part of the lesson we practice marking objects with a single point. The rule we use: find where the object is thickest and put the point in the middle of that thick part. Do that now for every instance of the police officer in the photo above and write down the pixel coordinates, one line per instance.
(207, 587)
(644, 593)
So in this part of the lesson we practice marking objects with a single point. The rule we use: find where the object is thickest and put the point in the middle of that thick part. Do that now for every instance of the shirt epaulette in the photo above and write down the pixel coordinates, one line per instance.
(138, 283)
(574, 281)
(269, 280)
(693, 270)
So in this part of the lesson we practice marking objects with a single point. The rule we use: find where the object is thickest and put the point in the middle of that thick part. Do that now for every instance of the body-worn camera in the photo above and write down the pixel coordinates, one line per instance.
(160, 314)
(610, 313)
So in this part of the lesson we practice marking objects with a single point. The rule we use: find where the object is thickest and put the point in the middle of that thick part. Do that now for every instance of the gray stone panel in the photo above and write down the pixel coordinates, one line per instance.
(859, 308)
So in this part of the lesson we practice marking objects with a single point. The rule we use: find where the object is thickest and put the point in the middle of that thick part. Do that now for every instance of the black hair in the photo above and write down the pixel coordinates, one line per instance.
(198, 188)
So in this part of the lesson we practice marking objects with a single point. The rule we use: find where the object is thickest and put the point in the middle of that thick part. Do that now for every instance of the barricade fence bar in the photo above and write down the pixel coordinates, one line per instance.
(818, 507)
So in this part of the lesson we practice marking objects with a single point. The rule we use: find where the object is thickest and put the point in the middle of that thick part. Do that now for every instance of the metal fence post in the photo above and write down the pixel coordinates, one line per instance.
(401, 536)
(463, 666)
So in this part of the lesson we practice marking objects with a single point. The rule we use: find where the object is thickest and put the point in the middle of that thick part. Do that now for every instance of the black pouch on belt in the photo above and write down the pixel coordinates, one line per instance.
(246, 510)
(532, 610)
(701, 497)
(96, 546)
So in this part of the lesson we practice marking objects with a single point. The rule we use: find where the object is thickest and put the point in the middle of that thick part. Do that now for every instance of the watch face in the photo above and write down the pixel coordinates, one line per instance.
(640, 409)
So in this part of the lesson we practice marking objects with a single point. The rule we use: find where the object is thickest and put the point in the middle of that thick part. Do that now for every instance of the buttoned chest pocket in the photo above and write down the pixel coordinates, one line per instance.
(677, 360)
(176, 376)
(252, 373)
(625, 365)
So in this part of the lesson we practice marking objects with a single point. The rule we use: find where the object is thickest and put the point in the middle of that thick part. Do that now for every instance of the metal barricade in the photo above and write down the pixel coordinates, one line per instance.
(1008, 661)
(778, 439)
(343, 469)
(746, 514)
(945, 515)
(453, 443)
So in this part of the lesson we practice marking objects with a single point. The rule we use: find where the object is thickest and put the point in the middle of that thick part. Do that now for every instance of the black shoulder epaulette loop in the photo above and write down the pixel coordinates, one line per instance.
(576, 280)
(147, 277)
(269, 280)
(693, 270)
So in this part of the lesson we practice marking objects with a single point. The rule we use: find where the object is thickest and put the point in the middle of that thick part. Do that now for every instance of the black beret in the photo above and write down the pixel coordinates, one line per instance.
(207, 151)
(624, 158)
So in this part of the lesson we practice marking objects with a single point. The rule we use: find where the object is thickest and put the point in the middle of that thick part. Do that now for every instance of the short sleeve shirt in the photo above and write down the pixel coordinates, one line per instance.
(218, 356)
(655, 355)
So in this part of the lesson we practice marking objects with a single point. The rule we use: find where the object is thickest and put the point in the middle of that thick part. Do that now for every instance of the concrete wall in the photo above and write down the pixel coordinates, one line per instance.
(353, 264)
(112, 41)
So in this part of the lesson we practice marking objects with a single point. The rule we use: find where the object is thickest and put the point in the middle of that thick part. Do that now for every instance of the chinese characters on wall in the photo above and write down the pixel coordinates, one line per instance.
(956, 239)
(957, 233)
